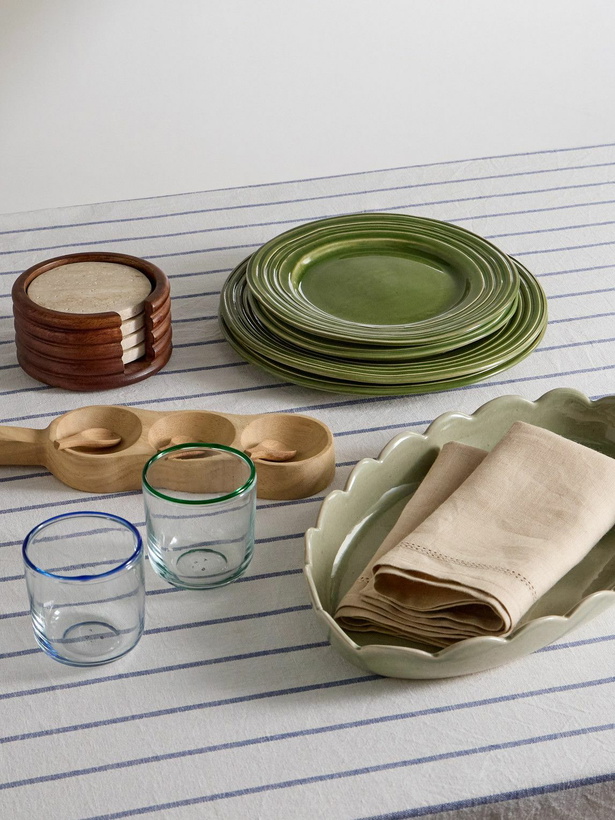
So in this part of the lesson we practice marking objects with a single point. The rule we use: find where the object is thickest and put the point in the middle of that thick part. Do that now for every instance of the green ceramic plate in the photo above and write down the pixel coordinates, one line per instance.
(384, 279)
(353, 522)
(330, 385)
(499, 348)
(363, 352)
(373, 275)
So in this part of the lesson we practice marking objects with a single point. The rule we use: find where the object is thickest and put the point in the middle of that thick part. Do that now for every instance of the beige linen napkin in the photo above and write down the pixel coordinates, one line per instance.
(526, 515)
(452, 466)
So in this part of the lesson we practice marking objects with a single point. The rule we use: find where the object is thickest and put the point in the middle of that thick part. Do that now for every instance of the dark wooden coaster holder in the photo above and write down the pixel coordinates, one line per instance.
(78, 351)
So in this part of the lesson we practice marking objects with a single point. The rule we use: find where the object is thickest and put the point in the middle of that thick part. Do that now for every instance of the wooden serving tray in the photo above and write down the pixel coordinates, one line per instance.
(144, 432)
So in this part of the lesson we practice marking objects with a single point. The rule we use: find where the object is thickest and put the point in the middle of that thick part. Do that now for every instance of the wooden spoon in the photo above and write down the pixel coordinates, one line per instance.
(96, 438)
(185, 454)
(271, 450)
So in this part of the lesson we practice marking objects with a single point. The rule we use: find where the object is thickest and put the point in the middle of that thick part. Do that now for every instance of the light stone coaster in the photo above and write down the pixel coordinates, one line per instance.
(133, 339)
(129, 326)
(92, 287)
(133, 353)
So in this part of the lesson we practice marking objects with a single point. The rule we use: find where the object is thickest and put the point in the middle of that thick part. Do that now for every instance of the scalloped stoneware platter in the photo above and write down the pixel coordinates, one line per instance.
(353, 522)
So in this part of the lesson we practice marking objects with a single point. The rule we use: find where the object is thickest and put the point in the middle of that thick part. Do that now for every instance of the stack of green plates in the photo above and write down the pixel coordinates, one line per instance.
(382, 304)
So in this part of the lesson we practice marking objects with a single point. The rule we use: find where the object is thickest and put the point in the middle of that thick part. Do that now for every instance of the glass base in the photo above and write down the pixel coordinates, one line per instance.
(200, 563)
(89, 643)
(199, 569)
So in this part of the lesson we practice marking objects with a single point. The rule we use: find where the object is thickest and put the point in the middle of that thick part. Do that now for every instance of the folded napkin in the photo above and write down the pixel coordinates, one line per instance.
(496, 538)
(452, 466)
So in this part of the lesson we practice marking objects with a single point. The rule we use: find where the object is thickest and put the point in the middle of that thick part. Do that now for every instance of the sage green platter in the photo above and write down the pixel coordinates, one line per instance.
(353, 522)
(498, 348)
(384, 279)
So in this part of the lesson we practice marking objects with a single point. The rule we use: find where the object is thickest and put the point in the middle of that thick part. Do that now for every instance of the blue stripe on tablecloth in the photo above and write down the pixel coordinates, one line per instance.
(159, 670)
(170, 589)
(395, 717)
(572, 270)
(227, 619)
(314, 499)
(364, 770)
(272, 203)
(553, 229)
(192, 707)
(280, 222)
(582, 318)
(277, 223)
(568, 206)
(335, 727)
(196, 295)
(328, 405)
(228, 365)
(262, 225)
(242, 363)
(271, 539)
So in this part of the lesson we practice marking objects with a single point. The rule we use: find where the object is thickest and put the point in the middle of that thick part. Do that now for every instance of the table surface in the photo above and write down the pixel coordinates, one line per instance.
(233, 703)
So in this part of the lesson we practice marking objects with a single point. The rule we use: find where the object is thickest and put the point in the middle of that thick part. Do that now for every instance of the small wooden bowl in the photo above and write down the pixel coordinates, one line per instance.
(98, 364)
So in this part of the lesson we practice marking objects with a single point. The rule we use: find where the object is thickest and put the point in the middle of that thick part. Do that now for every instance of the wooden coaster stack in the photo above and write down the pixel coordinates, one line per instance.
(92, 321)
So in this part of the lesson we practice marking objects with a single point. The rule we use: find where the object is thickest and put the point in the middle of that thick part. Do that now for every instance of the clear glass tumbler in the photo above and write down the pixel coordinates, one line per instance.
(84, 574)
(200, 505)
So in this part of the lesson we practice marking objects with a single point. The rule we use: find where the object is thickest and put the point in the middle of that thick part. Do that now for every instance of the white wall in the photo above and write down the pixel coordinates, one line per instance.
(113, 99)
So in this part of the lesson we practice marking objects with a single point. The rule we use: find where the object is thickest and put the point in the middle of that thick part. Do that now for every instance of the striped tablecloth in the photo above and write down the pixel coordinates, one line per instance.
(233, 704)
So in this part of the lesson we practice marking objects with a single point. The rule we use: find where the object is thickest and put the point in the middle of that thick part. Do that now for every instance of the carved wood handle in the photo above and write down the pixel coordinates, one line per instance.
(21, 445)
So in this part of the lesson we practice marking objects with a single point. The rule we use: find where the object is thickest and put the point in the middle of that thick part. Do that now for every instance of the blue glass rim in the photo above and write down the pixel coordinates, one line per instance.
(245, 487)
(136, 554)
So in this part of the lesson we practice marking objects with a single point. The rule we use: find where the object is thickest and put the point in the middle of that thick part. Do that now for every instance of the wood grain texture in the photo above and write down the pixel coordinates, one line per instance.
(154, 348)
(70, 352)
(160, 329)
(68, 367)
(132, 373)
(25, 325)
(145, 432)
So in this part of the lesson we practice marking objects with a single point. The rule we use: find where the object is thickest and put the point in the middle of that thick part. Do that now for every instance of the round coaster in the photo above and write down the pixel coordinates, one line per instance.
(129, 326)
(133, 353)
(91, 287)
(92, 320)
(133, 339)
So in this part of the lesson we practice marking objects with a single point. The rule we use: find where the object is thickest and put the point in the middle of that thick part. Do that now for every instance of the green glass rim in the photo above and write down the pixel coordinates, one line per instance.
(247, 485)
